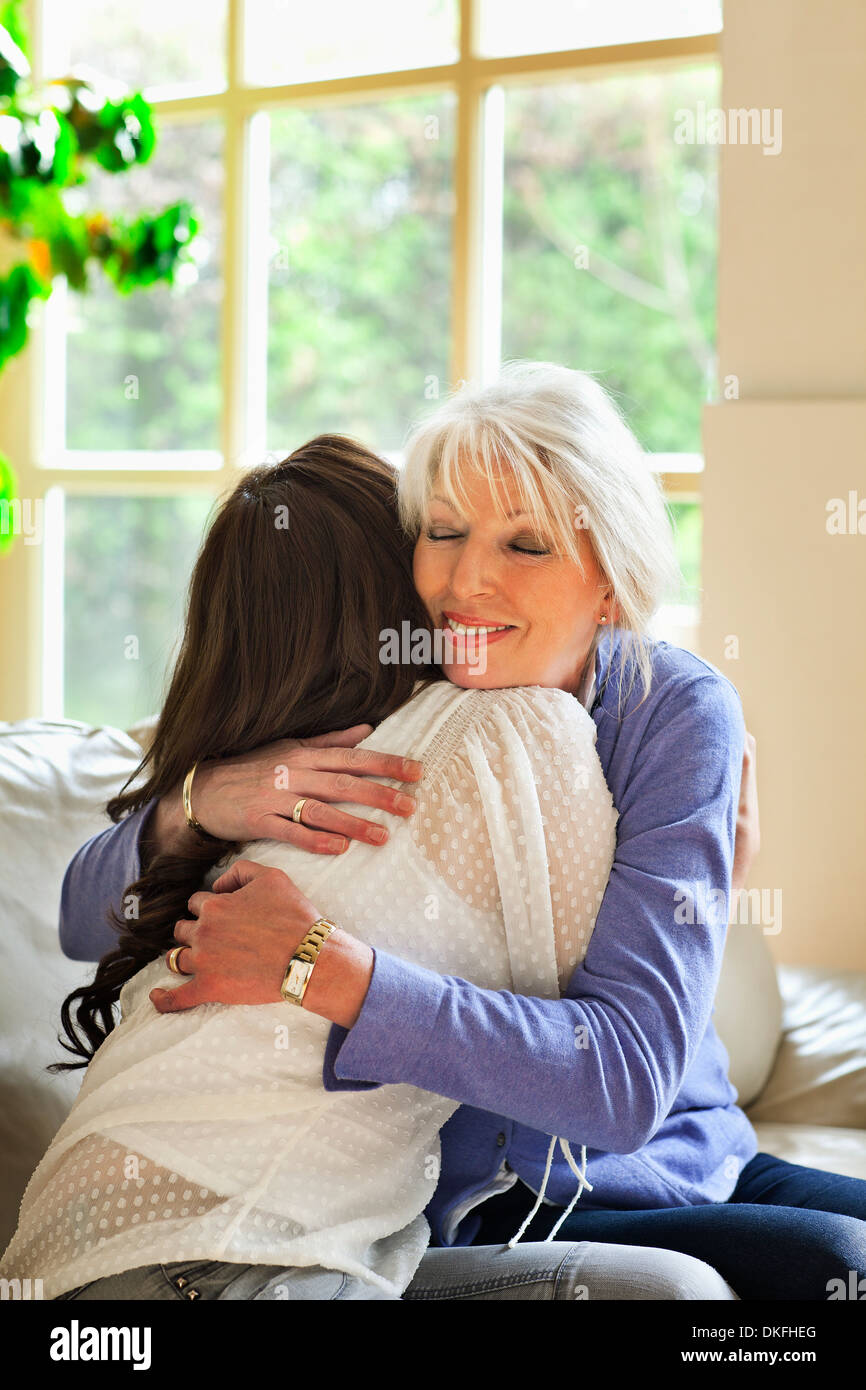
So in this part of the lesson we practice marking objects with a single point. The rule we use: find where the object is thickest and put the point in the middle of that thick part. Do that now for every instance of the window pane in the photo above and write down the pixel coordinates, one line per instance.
(512, 26)
(126, 570)
(287, 42)
(143, 370)
(360, 269)
(165, 43)
(609, 255)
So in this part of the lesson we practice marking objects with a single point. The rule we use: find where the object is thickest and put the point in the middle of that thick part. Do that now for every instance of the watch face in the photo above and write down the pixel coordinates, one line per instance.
(296, 978)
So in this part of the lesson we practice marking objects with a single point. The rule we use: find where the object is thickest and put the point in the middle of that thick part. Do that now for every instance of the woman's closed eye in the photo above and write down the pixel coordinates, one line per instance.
(528, 549)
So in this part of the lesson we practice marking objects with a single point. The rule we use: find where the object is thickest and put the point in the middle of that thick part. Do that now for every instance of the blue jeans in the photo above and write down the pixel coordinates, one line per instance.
(786, 1231)
(211, 1280)
(531, 1272)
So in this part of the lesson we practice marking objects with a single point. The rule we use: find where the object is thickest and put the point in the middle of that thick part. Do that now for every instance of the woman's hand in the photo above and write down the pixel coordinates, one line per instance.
(241, 937)
(252, 796)
(748, 839)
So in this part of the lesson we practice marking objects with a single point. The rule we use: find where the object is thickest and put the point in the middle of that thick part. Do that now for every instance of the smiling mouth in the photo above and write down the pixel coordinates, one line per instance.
(475, 629)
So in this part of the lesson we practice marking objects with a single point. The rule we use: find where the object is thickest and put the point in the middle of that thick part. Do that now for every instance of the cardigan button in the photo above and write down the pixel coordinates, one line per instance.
(500, 1140)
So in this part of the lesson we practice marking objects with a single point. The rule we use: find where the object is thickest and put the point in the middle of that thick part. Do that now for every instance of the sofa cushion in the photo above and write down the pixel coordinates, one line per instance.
(748, 1009)
(55, 778)
(820, 1072)
(835, 1150)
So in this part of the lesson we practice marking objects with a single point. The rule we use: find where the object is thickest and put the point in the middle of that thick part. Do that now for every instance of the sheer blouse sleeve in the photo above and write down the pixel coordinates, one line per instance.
(515, 816)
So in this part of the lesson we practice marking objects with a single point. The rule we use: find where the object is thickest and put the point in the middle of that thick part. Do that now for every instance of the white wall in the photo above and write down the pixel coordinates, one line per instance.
(792, 330)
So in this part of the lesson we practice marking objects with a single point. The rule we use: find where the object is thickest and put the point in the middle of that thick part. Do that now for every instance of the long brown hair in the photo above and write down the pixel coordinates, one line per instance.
(303, 567)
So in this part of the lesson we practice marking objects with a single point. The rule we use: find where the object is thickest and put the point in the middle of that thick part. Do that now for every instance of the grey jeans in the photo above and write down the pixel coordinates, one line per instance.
(541, 1271)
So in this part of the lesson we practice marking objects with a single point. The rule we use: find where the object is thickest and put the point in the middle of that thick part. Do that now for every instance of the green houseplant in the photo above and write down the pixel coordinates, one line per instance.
(47, 141)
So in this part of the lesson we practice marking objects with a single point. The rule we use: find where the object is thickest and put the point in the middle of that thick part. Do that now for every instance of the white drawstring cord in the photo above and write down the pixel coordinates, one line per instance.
(515, 1238)
(579, 1173)
(569, 1158)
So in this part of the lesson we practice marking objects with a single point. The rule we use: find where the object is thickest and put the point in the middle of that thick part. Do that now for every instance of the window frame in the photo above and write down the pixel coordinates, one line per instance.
(43, 465)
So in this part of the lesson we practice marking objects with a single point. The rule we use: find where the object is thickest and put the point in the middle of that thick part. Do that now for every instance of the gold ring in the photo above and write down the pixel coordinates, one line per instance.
(299, 806)
(172, 958)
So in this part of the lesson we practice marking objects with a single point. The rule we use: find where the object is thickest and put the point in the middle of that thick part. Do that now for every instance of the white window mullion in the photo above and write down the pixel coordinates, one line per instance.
(237, 343)
(245, 294)
(53, 578)
(233, 424)
(254, 279)
(49, 393)
(466, 311)
(492, 195)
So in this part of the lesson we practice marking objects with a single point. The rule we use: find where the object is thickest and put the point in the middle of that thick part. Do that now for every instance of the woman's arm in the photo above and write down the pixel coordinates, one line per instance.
(237, 799)
(603, 1065)
(95, 883)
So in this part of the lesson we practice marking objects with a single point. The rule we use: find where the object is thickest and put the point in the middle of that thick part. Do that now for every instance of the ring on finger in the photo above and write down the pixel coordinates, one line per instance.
(172, 959)
(299, 806)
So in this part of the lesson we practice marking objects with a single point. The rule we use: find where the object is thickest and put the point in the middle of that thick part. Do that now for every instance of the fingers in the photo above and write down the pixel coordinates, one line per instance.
(183, 932)
(237, 875)
(363, 762)
(319, 816)
(281, 828)
(343, 786)
(172, 1001)
(197, 902)
(344, 738)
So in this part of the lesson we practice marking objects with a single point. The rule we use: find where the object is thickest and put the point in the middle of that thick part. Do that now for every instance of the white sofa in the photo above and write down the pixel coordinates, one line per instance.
(796, 1037)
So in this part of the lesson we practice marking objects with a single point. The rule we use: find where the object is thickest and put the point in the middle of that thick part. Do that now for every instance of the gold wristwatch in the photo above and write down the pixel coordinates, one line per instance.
(300, 968)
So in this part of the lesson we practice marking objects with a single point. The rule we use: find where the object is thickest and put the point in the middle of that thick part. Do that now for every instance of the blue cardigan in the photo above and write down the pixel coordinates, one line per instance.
(628, 1062)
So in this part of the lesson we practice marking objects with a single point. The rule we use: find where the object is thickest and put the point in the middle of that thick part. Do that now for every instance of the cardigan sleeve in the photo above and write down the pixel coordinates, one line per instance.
(95, 881)
(602, 1065)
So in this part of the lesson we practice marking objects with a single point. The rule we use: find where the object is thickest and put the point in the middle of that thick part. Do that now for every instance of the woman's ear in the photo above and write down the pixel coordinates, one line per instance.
(610, 608)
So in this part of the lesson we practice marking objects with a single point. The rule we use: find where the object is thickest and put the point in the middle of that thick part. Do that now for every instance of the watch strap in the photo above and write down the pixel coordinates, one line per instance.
(306, 955)
(314, 940)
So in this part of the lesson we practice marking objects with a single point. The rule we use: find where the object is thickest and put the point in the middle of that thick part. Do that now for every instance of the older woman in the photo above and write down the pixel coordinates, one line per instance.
(538, 531)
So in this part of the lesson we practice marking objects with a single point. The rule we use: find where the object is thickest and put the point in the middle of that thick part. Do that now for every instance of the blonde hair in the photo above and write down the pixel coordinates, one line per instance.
(576, 465)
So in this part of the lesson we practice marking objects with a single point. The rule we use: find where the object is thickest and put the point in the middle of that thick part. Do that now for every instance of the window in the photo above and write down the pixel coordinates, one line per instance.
(142, 372)
(609, 243)
(360, 272)
(388, 204)
(125, 565)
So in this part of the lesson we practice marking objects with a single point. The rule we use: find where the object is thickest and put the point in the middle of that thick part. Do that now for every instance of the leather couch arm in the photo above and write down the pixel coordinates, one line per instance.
(819, 1074)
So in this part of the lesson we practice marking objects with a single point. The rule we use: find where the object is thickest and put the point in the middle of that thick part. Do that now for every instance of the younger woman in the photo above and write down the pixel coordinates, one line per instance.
(207, 1136)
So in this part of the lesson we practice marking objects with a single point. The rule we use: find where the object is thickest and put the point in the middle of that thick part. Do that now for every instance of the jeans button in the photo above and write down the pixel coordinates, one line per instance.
(500, 1140)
